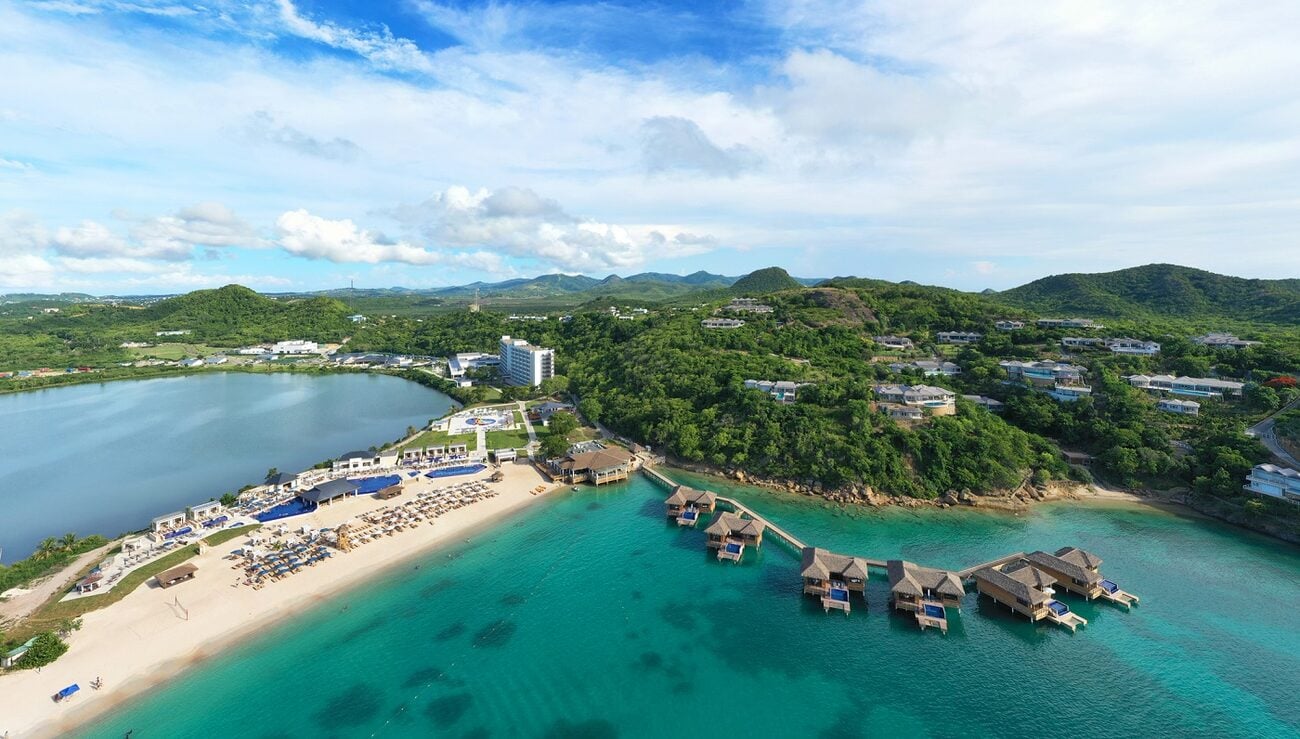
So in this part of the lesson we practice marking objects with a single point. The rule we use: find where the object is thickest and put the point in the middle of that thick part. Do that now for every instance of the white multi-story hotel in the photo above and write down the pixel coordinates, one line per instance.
(1275, 482)
(525, 365)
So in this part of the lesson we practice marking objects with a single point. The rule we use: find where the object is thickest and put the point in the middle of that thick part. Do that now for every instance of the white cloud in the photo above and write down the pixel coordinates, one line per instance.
(21, 233)
(379, 46)
(672, 143)
(305, 235)
(171, 238)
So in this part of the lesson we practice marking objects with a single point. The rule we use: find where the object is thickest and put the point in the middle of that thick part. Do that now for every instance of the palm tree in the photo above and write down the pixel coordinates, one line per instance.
(68, 541)
(46, 548)
(272, 473)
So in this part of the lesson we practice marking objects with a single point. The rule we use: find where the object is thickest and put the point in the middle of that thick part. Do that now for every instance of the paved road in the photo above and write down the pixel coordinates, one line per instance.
(1265, 433)
(528, 425)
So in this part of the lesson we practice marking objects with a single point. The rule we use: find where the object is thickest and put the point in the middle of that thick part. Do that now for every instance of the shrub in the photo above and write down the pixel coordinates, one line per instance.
(44, 650)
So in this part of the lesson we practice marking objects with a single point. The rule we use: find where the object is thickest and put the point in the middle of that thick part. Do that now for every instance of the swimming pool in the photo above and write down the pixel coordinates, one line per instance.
(734, 548)
(464, 469)
(690, 515)
(934, 611)
(295, 507)
(368, 485)
(1109, 586)
(1058, 607)
(840, 594)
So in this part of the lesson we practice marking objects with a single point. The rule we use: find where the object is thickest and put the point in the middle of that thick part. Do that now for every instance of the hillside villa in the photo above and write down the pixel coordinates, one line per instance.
(832, 577)
(1275, 482)
(1062, 381)
(958, 337)
(747, 305)
(928, 367)
(897, 343)
(1223, 340)
(1202, 387)
(722, 323)
(1135, 347)
(991, 404)
(783, 391)
(1173, 405)
(1068, 323)
(1009, 325)
(937, 400)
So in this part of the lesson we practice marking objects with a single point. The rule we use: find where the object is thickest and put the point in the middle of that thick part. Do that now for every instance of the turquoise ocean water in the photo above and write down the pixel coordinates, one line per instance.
(590, 616)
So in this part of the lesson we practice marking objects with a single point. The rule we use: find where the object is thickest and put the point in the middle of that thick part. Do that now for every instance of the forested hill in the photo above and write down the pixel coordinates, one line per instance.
(235, 314)
(768, 280)
(1163, 290)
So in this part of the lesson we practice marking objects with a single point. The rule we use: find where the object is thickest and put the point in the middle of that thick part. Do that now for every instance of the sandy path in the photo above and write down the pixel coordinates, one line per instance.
(142, 641)
(22, 605)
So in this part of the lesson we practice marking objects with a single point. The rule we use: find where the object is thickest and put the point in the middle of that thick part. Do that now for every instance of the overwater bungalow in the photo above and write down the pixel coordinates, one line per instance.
(924, 591)
(686, 504)
(730, 534)
(1079, 572)
(832, 577)
(1028, 591)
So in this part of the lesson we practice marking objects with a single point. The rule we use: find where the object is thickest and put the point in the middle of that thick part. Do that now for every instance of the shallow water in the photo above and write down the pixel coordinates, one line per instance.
(590, 616)
(105, 458)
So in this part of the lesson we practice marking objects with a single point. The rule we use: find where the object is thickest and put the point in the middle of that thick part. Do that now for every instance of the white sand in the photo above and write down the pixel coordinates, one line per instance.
(142, 641)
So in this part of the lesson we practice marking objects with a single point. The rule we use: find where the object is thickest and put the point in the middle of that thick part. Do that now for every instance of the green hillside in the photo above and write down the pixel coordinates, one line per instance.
(234, 314)
(768, 280)
(1163, 290)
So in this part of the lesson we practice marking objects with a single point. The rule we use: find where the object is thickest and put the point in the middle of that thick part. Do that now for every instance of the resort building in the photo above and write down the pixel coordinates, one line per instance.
(1133, 346)
(171, 333)
(1275, 482)
(329, 491)
(1218, 340)
(1079, 572)
(924, 591)
(938, 401)
(191, 362)
(958, 337)
(1081, 342)
(177, 574)
(1027, 590)
(206, 511)
(1068, 323)
(295, 346)
(215, 359)
(1201, 387)
(722, 323)
(686, 504)
(282, 481)
(10, 658)
(898, 412)
(928, 367)
(996, 406)
(459, 364)
(747, 305)
(1062, 381)
(730, 534)
(783, 391)
(1009, 325)
(168, 522)
(1185, 407)
(832, 577)
(355, 461)
(525, 365)
(898, 343)
(608, 464)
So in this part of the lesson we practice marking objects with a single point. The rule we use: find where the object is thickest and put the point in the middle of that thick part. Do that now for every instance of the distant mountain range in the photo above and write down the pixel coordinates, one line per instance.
(1164, 290)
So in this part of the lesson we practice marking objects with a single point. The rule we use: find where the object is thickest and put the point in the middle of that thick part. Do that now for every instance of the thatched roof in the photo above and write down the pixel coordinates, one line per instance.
(683, 495)
(1021, 580)
(601, 459)
(729, 524)
(825, 565)
(176, 573)
(1069, 565)
(906, 578)
(1078, 556)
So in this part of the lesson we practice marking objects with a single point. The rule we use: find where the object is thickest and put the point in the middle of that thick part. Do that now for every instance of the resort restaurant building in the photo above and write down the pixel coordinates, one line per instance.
(686, 504)
(730, 534)
(1020, 587)
(328, 491)
(831, 577)
(598, 467)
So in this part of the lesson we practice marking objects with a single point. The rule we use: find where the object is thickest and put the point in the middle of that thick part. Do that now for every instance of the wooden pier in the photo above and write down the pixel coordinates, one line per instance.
(781, 533)
(966, 573)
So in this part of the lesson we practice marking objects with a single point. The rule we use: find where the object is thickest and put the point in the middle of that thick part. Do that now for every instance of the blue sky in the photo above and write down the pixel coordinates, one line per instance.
(161, 146)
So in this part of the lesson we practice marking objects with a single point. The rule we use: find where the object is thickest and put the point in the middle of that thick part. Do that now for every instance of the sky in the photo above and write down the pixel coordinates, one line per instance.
(162, 146)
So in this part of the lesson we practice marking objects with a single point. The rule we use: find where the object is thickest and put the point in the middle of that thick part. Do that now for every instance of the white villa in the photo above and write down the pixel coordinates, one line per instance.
(747, 305)
(1062, 381)
(783, 391)
(1201, 387)
(1009, 325)
(1223, 340)
(722, 323)
(893, 342)
(1081, 342)
(1185, 407)
(357, 461)
(929, 367)
(295, 346)
(958, 337)
(937, 400)
(459, 364)
(1133, 346)
(1275, 482)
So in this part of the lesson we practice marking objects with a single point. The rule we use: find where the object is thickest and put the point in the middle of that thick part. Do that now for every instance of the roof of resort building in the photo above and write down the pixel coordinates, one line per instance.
(727, 523)
(821, 564)
(281, 478)
(683, 495)
(1276, 470)
(1079, 557)
(356, 455)
(328, 490)
(600, 459)
(1023, 581)
(178, 572)
(1070, 567)
(911, 579)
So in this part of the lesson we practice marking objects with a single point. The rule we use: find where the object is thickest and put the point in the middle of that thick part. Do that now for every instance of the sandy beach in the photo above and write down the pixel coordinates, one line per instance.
(145, 640)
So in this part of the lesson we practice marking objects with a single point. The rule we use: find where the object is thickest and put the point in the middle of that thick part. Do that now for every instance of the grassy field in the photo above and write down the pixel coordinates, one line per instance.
(434, 438)
(583, 433)
(48, 616)
(175, 350)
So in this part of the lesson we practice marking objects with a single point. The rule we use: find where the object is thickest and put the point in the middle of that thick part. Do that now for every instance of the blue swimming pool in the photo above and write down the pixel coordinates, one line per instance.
(295, 507)
(1109, 586)
(1058, 607)
(368, 485)
(690, 515)
(840, 594)
(733, 548)
(934, 611)
(464, 469)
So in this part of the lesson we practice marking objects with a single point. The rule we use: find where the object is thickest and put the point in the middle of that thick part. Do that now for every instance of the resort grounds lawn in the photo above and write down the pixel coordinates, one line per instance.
(513, 439)
(174, 351)
(48, 616)
(583, 433)
(436, 438)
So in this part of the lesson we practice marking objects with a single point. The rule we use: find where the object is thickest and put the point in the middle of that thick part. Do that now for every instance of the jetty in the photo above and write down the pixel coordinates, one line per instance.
(1021, 582)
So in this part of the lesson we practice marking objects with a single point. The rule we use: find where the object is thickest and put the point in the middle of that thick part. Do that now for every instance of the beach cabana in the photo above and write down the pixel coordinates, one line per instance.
(10, 658)
(832, 577)
(175, 575)
(169, 521)
(328, 491)
(204, 511)
(924, 591)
